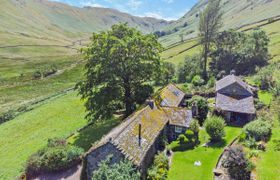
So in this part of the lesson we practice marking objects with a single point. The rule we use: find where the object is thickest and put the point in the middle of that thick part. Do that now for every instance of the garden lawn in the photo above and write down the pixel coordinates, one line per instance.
(182, 166)
(268, 167)
(24, 135)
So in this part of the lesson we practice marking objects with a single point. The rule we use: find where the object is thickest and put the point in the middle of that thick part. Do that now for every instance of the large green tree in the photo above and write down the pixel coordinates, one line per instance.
(119, 61)
(243, 52)
(209, 25)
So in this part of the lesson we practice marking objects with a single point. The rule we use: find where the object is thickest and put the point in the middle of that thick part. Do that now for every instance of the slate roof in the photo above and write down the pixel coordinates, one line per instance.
(152, 123)
(235, 104)
(179, 116)
(125, 137)
(171, 96)
(231, 79)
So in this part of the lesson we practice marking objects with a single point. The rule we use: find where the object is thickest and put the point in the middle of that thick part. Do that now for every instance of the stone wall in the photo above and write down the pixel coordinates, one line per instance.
(93, 158)
(172, 135)
(235, 89)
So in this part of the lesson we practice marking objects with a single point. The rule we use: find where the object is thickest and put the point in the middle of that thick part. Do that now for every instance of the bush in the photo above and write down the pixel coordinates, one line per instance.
(237, 164)
(276, 145)
(253, 153)
(194, 127)
(182, 139)
(258, 129)
(197, 81)
(121, 170)
(159, 168)
(7, 116)
(37, 74)
(214, 127)
(189, 135)
(202, 107)
(242, 137)
(55, 157)
(250, 143)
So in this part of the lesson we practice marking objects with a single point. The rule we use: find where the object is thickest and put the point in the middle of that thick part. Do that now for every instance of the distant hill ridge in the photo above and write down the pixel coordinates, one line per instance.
(54, 21)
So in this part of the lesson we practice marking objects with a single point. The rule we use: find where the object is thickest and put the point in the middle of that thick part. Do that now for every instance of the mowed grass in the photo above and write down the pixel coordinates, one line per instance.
(268, 166)
(30, 131)
(182, 166)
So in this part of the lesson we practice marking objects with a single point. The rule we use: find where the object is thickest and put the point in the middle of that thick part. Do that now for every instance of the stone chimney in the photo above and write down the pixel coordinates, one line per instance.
(194, 109)
(139, 134)
(232, 72)
(151, 103)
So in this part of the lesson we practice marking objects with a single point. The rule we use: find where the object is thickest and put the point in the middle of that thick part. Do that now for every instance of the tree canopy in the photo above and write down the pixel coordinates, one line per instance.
(209, 24)
(240, 51)
(119, 61)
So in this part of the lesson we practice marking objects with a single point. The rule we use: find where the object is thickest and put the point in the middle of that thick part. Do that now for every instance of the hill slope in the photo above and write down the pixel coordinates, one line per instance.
(42, 21)
(236, 14)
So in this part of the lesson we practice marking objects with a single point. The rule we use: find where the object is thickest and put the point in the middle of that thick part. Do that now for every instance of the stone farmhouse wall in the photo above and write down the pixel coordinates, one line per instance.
(238, 90)
(96, 156)
(172, 135)
(149, 157)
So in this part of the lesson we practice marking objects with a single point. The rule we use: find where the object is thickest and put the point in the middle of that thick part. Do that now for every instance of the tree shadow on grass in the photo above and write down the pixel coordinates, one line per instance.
(93, 133)
(218, 145)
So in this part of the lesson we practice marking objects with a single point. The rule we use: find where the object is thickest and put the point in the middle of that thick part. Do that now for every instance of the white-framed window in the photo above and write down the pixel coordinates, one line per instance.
(178, 129)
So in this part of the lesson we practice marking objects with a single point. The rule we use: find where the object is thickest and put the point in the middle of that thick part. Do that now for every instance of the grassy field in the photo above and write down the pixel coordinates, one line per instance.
(30, 131)
(268, 165)
(91, 134)
(18, 92)
(182, 166)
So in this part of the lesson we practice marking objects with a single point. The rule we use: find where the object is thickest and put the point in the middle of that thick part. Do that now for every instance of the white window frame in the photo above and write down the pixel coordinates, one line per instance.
(178, 129)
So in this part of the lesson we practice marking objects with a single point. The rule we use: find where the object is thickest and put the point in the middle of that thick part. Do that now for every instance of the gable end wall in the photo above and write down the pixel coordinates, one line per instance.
(239, 90)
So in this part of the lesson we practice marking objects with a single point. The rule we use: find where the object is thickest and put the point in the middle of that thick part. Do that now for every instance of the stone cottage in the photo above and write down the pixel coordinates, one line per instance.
(138, 137)
(234, 99)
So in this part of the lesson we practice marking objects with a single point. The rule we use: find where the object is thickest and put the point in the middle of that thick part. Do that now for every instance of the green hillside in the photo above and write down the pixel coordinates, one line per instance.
(46, 22)
(236, 14)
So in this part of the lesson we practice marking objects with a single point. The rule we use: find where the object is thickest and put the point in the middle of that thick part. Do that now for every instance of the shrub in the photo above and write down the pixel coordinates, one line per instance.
(202, 107)
(7, 116)
(242, 137)
(250, 143)
(182, 139)
(253, 153)
(159, 168)
(37, 74)
(258, 129)
(197, 81)
(215, 128)
(276, 145)
(194, 127)
(121, 170)
(236, 163)
(57, 155)
(189, 135)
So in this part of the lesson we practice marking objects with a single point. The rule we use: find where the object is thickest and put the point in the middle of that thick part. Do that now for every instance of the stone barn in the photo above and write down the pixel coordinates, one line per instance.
(139, 137)
(234, 99)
